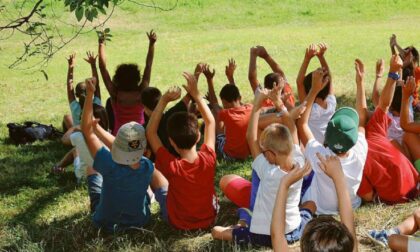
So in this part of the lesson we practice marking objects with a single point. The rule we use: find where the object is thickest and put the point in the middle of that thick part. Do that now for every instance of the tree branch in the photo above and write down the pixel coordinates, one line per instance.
(20, 21)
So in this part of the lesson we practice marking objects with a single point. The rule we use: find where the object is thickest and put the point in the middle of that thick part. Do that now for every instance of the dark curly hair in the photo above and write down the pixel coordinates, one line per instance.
(127, 77)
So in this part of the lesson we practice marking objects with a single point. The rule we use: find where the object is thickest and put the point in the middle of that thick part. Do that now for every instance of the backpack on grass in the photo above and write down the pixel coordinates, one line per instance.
(29, 132)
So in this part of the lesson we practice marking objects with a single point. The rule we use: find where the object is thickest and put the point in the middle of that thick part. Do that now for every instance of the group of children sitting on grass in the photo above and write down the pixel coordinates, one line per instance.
(309, 161)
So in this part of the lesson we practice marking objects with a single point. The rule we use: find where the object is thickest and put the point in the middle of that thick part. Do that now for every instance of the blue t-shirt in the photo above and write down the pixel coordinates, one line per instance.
(124, 200)
(76, 110)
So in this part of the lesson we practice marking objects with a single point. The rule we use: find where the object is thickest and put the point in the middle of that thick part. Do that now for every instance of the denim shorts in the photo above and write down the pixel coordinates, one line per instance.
(94, 182)
(220, 145)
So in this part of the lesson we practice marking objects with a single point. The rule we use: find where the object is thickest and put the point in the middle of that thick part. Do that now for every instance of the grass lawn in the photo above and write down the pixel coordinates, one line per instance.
(40, 212)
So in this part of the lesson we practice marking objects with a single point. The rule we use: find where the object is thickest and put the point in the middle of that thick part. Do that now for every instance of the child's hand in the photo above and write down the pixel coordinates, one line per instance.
(230, 68)
(71, 59)
(90, 85)
(260, 96)
(360, 71)
(262, 52)
(395, 64)
(331, 166)
(191, 86)
(393, 40)
(318, 80)
(322, 49)
(253, 51)
(296, 112)
(380, 67)
(152, 36)
(296, 174)
(310, 52)
(275, 93)
(409, 87)
(172, 94)
(199, 69)
(209, 74)
(91, 58)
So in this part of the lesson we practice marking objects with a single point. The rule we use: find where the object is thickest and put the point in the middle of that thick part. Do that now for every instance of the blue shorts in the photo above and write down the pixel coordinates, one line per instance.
(94, 182)
(220, 145)
(244, 236)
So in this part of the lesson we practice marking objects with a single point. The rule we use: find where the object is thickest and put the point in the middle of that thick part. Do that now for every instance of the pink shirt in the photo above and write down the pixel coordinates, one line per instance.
(127, 113)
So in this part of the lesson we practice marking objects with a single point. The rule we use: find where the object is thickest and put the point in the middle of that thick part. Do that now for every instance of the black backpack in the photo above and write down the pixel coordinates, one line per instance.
(29, 132)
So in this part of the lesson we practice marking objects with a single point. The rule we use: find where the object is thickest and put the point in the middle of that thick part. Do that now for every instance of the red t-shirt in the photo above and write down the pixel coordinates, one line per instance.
(387, 171)
(191, 200)
(417, 78)
(286, 89)
(236, 123)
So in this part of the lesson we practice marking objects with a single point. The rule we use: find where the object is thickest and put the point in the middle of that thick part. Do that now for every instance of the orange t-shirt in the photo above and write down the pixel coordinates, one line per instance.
(286, 89)
(236, 123)
(416, 91)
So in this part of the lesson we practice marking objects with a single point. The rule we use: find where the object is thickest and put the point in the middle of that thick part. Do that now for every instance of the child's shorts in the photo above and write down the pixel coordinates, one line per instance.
(413, 244)
(244, 236)
(220, 144)
(94, 182)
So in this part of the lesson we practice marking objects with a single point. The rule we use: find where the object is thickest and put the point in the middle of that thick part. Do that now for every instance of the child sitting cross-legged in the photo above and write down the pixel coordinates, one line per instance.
(275, 155)
(187, 197)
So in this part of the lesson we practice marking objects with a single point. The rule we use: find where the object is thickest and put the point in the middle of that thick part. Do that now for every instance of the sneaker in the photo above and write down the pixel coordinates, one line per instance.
(379, 237)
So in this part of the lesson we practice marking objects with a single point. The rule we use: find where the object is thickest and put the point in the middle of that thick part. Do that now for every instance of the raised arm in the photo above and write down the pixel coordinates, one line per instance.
(318, 83)
(102, 67)
(377, 84)
(153, 139)
(149, 60)
(322, 49)
(394, 45)
(199, 68)
(209, 77)
(210, 123)
(388, 91)
(70, 88)
(103, 135)
(252, 71)
(309, 54)
(278, 220)
(332, 167)
(408, 89)
(252, 131)
(92, 141)
(230, 70)
(91, 59)
(361, 105)
(262, 52)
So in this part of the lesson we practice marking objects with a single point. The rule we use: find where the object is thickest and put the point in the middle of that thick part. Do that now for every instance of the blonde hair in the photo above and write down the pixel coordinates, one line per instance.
(277, 137)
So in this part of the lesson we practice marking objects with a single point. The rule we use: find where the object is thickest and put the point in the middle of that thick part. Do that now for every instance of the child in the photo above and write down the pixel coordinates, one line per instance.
(399, 238)
(275, 154)
(388, 175)
(324, 106)
(231, 121)
(121, 199)
(344, 138)
(189, 201)
(269, 79)
(323, 233)
(125, 87)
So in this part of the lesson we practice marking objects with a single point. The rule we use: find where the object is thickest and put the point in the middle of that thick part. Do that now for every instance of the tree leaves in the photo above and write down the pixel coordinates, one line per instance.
(88, 9)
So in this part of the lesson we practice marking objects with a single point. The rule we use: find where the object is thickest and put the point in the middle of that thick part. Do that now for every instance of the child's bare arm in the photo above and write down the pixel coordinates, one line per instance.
(324, 64)
(199, 68)
(361, 105)
(210, 123)
(153, 139)
(103, 135)
(209, 77)
(102, 68)
(309, 54)
(252, 131)
(149, 60)
(91, 59)
(408, 89)
(230, 70)
(394, 45)
(388, 91)
(252, 72)
(70, 88)
(262, 52)
(278, 220)
(332, 167)
(377, 84)
(92, 141)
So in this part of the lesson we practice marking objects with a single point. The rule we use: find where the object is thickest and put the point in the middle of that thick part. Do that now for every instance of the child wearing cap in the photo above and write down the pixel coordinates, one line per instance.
(343, 138)
(186, 197)
(119, 179)
(388, 175)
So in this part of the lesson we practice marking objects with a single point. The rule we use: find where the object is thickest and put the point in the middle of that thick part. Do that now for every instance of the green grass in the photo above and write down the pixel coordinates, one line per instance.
(40, 212)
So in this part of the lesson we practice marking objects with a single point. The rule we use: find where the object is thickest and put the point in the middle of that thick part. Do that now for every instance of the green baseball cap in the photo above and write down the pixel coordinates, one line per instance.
(342, 130)
(129, 144)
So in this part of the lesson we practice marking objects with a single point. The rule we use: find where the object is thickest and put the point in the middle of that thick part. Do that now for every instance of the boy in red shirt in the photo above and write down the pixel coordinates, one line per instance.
(186, 193)
(388, 174)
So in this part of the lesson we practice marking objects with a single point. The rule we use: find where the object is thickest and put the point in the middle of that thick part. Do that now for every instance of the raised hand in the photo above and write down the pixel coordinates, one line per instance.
(191, 86)
(310, 52)
(230, 68)
(275, 93)
(71, 59)
(91, 58)
(409, 87)
(199, 68)
(152, 36)
(319, 79)
(393, 40)
(380, 65)
(90, 85)
(395, 64)
(208, 73)
(296, 112)
(360, 71)
(322, 49)
(262, 52)
(260, 96)
(172, 94)
(296, 174)
(331, 166)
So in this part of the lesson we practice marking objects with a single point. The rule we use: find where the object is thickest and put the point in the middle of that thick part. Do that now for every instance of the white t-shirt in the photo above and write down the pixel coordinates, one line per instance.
(413, 244)
(395, 132)
(322, 190)
(319, 118)
(270, 178)
(78, 141)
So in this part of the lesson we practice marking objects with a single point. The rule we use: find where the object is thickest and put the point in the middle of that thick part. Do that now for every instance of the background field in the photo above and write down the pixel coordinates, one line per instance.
(39, 212)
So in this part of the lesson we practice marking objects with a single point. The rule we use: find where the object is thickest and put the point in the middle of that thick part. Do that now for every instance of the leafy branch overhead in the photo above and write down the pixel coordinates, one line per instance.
(88, 8)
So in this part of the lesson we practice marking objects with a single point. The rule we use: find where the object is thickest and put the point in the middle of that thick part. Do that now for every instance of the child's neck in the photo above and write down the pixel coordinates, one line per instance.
(135, 166)
(189, 155)
(286, 164)
(320, 102)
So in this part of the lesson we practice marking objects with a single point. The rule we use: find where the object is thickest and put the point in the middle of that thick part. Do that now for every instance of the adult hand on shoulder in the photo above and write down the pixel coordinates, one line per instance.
(395, 64)
(380, 66)
(360, 71)
(91, 58)
(172, 94)
(152, 36)
(409, 87)
(71, 60)
(191, 86)
(322, 49)
(230, 68)
(296, 174)
(208, 73)
(310, 52)
(331, 166)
